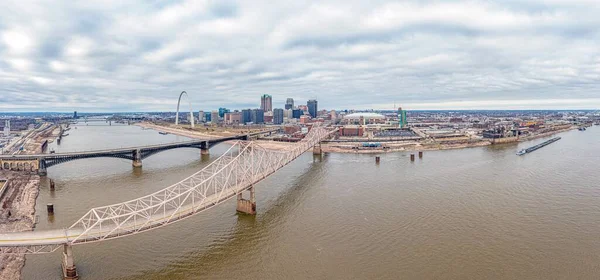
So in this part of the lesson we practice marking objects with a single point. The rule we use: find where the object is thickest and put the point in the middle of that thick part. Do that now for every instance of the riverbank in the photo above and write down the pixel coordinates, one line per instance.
(345, 147)
(17, 205)
(271, 145)
(17, 213)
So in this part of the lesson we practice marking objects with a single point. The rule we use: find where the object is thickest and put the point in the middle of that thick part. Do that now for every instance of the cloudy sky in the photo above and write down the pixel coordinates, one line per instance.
(113, 55)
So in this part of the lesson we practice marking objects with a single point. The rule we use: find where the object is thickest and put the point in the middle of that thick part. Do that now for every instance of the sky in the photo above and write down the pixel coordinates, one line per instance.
(121, 56)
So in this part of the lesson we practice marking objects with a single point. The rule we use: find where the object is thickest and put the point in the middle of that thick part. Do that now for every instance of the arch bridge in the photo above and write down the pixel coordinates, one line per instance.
(40, 162)
(236, 171)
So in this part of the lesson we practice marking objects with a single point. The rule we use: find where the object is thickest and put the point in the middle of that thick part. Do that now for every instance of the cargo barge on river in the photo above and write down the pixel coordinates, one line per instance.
(533, 148)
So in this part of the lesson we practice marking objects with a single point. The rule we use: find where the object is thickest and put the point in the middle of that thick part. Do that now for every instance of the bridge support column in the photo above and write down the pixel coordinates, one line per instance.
(204, 148)
(247, 206)
(137, 158)
(42, 169)
(317, 149)
(68, 264)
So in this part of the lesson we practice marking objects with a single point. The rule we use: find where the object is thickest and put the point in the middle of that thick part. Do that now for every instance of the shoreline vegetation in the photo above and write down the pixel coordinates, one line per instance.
(351, 147)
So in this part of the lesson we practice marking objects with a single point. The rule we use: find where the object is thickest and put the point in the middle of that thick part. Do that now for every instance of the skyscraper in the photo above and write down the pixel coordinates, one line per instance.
(201, 117)
(312, 107)
(7, 128)
(402, 118)
(277, 116)
(289, 104)
(75, 115)
(266, 103)
(246, 116)
(222, 112)
(258, 116)
(214, 117)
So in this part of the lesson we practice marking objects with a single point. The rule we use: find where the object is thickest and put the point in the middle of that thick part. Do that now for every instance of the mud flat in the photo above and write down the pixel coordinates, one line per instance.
(17, 213)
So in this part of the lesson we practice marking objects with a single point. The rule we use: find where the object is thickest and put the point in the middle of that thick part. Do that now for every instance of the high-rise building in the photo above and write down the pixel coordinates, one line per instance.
(201, 117)
(289, 104)
(223, 111)
(207, 117)
(246, 116)
(214, 117)
(312, 107)
(266, 103)
(297, 113)
(287, 114)
(258, 116)
(277, 116)
(7, 128)
(75, 115)
(402, 118)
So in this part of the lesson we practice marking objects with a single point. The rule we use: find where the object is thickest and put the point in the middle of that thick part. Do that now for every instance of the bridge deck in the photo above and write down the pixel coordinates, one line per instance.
(242, 166)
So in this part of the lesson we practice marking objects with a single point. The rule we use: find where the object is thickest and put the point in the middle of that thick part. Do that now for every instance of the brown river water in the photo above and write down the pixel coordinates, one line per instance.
(478, 213)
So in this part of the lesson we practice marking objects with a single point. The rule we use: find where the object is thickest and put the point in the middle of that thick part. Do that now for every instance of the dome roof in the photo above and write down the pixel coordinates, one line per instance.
(364, 115)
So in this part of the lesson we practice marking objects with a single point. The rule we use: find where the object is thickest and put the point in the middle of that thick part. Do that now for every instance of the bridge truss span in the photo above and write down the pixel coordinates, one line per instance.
(243, 165)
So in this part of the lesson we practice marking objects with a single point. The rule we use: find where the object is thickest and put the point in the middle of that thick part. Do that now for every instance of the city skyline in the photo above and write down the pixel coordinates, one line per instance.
(421, 54)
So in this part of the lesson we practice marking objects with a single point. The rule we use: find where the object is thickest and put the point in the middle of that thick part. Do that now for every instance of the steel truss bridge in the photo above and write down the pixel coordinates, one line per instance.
(41, 162)
(237, 170)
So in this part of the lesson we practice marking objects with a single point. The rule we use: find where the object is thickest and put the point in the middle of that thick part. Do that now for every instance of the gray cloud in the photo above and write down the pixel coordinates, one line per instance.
(137, 56)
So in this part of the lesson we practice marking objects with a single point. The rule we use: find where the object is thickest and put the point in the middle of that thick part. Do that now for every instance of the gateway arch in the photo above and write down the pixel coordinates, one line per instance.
(191, 112)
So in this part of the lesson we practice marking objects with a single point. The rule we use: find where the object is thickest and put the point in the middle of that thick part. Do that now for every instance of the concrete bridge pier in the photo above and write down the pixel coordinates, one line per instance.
(317, 149)
(68, 264)
(137, 158)
(247, 206)
(42, 169)
(205, 148)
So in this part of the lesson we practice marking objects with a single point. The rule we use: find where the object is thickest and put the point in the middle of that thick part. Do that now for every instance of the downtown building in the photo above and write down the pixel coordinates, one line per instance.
(258, 116)
(266, 103)
(277, 116)
(312, 107)
(289, 104)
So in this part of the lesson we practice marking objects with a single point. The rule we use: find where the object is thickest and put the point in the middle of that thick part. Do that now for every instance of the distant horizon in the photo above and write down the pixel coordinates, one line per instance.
(337, 110)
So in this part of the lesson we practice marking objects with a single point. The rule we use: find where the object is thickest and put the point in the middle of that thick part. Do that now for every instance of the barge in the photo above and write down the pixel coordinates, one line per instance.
(538, 146)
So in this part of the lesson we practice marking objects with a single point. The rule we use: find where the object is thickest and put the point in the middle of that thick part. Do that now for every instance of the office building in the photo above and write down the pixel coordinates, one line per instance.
(402, 118)
(246, 116)
(223, 111)
(214, 117)
(234, 118)
(201, 117)
(7, 128)
(207, 117)
(258, 116)
(266, 103)
(277, 116)
(75, 115)
(312, 107)
(297, 113)
(289, 104)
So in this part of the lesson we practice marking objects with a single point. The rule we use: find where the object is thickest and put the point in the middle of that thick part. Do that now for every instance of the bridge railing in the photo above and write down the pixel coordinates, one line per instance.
(244, 164)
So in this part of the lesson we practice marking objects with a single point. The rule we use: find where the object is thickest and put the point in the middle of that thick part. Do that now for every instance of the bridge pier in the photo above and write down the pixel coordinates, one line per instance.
(42, 169)
(205, 148)
(137, 158)
(317, 149)
(247, 206)
(68, 264)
